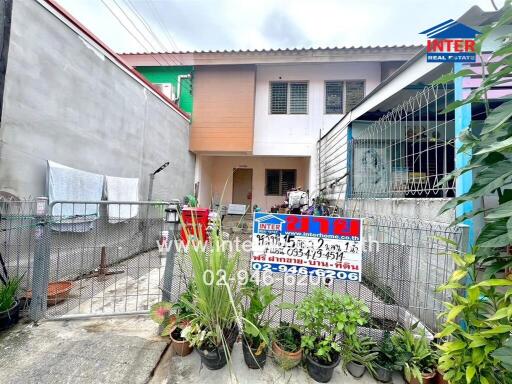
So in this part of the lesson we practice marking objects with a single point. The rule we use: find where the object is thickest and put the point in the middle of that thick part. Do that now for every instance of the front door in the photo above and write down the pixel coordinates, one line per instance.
(242, 186)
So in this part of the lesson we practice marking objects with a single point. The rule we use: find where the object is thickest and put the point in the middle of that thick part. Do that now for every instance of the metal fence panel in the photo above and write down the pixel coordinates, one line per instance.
(116, 267)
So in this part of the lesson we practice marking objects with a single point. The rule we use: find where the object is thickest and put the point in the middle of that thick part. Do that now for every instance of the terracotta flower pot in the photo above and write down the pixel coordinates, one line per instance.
(58, 291)
(428, 378)
(180, 346)
(439, 378)
(286, 360)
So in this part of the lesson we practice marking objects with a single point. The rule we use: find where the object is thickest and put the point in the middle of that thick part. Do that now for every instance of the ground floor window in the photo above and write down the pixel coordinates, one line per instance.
(279, 181)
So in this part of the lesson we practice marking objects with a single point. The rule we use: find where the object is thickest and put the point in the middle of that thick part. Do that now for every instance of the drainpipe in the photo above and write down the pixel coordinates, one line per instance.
(178, 92)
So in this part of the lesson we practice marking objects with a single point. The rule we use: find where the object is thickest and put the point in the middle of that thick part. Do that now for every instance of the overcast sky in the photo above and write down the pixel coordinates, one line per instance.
(250, 24)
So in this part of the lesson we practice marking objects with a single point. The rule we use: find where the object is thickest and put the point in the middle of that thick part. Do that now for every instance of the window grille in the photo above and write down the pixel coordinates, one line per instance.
(279, 181)
(288, 98)
(278, 98)
(298, 98)
(354, 90)
(334, 97)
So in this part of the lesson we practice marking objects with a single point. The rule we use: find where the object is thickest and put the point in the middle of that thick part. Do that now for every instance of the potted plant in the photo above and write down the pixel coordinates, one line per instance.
(173, 324)
(325, 315)
(286, 346)
(213, 324)
(386, 360)
(415, 355)
(9, 304)
(256, 330)
(358, 355)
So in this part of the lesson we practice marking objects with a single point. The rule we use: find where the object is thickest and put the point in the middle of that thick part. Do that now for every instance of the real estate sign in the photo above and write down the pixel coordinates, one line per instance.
(310, 245)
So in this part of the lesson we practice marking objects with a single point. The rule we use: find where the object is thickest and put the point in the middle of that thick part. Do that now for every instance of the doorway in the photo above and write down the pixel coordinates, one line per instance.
(242, 186)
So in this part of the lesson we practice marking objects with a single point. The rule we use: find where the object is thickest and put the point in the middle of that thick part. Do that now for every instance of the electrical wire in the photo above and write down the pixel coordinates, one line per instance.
(185, 83)
(167, 33)
(128, 30)
(148, 28)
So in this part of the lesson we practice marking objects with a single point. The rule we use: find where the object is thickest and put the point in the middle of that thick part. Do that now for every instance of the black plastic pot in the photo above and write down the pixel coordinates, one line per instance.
(356, 369)
(320, 372)
(214, 359)
(231, 337)
(10, 317)
(252, 360)
(382, 374)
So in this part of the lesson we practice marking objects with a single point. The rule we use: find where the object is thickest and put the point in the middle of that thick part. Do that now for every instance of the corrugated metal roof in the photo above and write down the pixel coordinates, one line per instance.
(412, 47)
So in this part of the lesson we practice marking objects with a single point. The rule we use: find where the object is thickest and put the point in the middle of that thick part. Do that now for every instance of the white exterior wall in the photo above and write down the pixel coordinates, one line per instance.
(296, 135)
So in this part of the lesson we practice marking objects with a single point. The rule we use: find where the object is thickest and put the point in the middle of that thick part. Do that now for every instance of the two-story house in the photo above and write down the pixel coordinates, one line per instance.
(257, 115)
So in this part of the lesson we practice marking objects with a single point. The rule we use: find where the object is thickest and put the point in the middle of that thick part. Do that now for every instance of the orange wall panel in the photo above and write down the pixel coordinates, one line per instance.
(223, 118)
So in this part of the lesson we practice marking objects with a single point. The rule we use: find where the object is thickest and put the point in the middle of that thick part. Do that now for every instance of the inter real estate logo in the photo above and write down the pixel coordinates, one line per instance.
(451, 42)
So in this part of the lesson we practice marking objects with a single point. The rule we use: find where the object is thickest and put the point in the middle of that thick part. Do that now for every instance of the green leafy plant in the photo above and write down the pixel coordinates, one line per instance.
(326, 314)
(288, 337)
(181, 308)
(414, 352)
(361, 352)
(256, 328)
(476, 326)
(216, 300)
(9, 292)
(387, 354)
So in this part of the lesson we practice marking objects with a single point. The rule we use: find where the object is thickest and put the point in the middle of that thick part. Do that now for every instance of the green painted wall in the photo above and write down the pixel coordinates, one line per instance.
(170, 75)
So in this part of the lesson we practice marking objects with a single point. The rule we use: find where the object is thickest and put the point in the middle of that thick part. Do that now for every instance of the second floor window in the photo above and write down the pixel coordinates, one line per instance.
(342, 96)
(334, 97)
(288, 97)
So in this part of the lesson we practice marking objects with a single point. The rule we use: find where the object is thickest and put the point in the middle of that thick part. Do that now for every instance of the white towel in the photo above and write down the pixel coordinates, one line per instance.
(66, 183)
(122, 189)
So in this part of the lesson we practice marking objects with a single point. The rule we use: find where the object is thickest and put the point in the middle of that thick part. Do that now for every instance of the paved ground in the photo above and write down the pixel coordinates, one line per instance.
(117, 350)
(186, 370)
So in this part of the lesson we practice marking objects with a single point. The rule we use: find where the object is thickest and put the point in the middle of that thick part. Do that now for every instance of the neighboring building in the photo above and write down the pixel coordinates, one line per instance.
(173, 82)
(257, 115)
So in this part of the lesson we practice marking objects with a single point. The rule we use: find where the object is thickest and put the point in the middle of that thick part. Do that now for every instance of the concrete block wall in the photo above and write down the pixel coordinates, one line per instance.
(66, 100)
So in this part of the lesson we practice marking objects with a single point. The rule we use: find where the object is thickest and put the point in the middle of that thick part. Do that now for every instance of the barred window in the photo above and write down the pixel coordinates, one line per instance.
(288, 97)
(354, 93)
(279, 181)
(278, 98)
(298, 98)
(334, 97)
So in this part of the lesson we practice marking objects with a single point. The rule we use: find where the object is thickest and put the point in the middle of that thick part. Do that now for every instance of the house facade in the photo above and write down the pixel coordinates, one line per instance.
(257, 115)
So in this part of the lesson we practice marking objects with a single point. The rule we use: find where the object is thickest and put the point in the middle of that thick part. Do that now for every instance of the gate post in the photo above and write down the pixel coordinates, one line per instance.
(41, 268)
(172, 218)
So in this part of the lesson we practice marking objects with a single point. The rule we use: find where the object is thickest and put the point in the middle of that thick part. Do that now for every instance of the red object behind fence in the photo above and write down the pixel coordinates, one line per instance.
(196, 222)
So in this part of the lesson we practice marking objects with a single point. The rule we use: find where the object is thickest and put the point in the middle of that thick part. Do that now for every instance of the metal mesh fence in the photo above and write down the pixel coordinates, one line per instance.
(404, 261)
(113, 265)
(17, 226)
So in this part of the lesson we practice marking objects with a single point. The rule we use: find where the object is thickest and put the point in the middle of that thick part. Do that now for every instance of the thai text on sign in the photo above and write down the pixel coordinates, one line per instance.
(310, 245)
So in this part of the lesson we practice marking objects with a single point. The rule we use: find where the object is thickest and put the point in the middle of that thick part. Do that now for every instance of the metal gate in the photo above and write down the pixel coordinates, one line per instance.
(84, 258)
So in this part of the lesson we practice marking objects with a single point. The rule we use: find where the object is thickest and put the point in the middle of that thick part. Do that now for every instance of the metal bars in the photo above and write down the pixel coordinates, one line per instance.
(408, 151)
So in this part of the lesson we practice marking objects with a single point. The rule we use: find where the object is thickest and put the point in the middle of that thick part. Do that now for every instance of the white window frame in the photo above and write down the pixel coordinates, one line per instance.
(344, 94)
(288, 97)
(345, 98)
